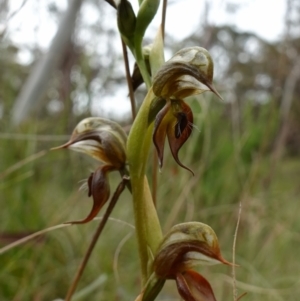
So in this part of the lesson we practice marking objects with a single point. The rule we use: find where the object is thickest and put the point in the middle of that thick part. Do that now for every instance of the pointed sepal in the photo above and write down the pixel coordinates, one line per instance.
(98, 186)
(162, 119)
(194, 287)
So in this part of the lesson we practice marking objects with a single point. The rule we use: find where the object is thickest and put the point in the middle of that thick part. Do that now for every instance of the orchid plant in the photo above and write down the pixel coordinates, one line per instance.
(163, 113)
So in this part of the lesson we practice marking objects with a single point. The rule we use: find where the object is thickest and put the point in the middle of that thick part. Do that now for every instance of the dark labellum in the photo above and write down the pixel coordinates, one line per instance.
(182, 122)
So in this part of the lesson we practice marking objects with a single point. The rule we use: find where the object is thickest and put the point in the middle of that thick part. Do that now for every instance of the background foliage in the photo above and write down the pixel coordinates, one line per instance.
(245, 149)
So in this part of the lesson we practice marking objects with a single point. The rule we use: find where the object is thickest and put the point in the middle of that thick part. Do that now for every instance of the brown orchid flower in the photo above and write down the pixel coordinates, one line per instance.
(105, 141)
(184, 247)
(188, 72)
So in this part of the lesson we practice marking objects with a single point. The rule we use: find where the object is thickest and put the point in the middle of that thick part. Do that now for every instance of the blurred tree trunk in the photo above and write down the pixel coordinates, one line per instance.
(286, 105)
(290, 83)
(36, 84)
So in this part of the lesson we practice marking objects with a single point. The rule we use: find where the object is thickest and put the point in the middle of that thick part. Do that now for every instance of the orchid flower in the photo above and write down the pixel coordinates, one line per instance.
(188, 72)
(184, 247)
(105, 141)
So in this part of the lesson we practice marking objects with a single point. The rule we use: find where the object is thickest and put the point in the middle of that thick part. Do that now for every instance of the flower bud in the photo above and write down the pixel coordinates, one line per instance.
(126, 22)
(188, 72)
(146, 13)
(101, 139)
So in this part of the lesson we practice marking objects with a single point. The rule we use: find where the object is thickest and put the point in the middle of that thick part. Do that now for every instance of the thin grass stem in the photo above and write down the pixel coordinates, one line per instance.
(234, 288)
(50, 229)
(128, 78)
(163, 18)
(95, 238)
(241, 296)
(21, 163)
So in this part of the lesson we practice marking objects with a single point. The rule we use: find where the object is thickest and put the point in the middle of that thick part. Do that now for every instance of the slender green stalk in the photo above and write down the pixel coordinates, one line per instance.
(142, 65)
(148, 228)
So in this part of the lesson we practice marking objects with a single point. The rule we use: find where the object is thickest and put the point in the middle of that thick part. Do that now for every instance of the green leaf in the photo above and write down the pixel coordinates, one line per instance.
(156, 105)
(153, 288)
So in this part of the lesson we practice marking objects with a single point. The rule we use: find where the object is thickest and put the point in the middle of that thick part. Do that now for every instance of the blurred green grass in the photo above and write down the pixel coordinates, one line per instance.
(231, 157)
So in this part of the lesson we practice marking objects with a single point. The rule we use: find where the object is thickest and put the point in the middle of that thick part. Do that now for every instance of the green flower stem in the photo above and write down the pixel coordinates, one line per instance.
(142, 65)
(148, 230)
